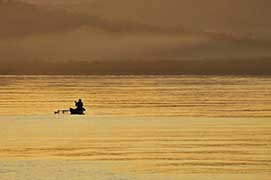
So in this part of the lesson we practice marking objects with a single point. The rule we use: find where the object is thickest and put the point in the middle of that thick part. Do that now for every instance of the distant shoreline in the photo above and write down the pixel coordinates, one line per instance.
(257, 66)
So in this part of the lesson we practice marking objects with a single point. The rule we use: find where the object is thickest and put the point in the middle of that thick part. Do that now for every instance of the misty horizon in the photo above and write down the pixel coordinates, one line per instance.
(91, 31)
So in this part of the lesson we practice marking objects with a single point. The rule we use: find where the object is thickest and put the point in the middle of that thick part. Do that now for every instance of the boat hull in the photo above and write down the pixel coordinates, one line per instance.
(76, 111)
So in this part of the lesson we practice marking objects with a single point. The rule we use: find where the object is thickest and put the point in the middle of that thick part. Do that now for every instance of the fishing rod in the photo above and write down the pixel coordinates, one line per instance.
(63, 111)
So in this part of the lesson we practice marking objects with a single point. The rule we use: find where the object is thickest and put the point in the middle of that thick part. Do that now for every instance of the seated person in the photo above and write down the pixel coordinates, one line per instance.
(79, 108)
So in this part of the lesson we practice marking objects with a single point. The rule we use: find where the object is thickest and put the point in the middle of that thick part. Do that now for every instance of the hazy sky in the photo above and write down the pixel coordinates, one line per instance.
(232, 16)
(62, 30)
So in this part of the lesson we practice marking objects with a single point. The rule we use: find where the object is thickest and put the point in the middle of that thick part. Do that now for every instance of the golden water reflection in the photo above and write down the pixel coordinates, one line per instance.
(187, 96)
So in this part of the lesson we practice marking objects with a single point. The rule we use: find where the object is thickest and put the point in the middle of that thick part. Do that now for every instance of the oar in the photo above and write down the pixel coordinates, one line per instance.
(63, 111)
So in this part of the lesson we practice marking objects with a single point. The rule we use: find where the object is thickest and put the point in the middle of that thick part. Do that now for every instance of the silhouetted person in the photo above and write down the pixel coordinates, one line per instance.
(79, 108)
(79, 104)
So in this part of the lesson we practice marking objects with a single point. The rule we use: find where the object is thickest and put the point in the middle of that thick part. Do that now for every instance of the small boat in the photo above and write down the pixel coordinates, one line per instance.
(77, 111)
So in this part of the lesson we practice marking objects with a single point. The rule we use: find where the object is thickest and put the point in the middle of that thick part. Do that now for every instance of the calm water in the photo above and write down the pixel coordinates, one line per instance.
(103, 148)
(187, 96)
(137, 127)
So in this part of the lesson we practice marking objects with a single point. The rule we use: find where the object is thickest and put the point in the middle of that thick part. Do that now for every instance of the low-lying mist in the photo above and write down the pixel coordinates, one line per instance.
(37, 40)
